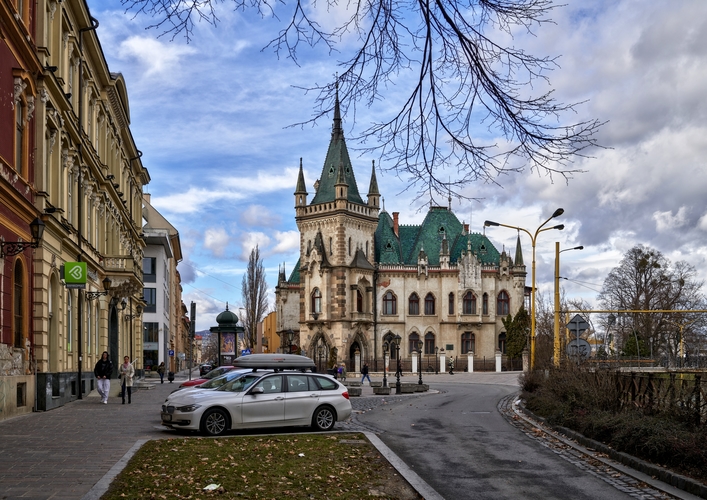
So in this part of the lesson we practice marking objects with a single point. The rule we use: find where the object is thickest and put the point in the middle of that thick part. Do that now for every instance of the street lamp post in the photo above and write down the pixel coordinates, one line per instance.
(396, 342)
(419, 365)
(385, 355)
(436, 360)
(290, 337)
(533, 238)
(320, 351)
(556, 346)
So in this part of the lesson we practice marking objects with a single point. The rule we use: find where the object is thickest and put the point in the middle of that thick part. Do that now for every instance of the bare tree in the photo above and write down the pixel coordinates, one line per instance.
(255, 299)
(466, 74)
(645, 280)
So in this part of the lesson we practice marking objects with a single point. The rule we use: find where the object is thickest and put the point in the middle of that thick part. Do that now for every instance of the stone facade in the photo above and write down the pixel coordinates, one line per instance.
(362, 278)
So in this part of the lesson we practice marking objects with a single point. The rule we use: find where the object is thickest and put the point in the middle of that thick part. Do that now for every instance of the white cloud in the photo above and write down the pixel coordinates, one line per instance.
(249, 242)
(216, 240)
(156, 57)
(256, 215)
(287, 242)
(665, 221)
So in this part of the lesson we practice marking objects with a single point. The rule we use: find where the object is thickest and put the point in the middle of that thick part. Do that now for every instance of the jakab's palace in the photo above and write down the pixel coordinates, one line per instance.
(364, 279)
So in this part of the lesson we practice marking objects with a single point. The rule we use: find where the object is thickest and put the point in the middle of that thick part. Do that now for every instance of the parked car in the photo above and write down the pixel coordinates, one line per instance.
(205, 368)
(266, 398)
(212, 374)
(214, 383)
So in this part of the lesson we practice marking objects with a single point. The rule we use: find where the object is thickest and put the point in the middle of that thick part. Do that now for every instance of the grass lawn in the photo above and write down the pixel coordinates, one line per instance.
(306, 466)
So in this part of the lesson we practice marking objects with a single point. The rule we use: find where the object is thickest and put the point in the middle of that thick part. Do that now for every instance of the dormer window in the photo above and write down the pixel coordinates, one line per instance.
(441, 229)
(331, 171)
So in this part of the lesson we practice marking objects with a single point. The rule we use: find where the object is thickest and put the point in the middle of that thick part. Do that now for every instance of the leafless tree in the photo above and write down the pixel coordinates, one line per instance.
(645, 280)
(467, 76)
(254, 289)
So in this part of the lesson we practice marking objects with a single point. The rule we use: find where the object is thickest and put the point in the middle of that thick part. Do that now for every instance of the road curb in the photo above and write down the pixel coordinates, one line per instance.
(102, 486)
(419, 484)
(678, 485)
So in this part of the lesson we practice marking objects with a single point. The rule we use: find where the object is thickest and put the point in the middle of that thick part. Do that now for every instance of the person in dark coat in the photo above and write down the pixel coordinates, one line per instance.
(364, 373)
(160, 372)
(102, 371)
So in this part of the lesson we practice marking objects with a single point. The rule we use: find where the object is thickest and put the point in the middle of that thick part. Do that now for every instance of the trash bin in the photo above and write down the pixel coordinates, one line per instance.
(170, 377)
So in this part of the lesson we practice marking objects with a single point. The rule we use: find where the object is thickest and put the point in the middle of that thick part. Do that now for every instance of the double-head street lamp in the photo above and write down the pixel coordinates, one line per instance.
(533, 238)
(556, 345)
(385, 358)
(419, 356)
(10, 248)
(396, 343)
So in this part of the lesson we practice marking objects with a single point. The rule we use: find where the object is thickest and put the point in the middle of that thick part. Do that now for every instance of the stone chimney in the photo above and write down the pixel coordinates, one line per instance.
(466, 228)
(395, 222)
(146, 197)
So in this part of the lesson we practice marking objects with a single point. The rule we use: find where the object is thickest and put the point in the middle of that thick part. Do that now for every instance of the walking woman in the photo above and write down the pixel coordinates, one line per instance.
(160, 372)
(127, 372)
(103, 370)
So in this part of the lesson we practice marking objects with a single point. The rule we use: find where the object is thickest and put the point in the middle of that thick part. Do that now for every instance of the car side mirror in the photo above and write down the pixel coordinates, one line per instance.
(257, 390)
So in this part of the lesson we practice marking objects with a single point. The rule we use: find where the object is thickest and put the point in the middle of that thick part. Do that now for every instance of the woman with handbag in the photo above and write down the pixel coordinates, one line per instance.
(127, 372)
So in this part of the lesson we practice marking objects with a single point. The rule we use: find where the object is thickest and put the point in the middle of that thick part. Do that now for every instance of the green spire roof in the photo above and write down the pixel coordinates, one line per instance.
(337, 159)
(373, 187)
(519, 254)
(301, 187)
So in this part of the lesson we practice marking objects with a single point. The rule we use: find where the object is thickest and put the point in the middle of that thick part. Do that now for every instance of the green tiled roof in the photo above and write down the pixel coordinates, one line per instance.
(337, 159)
(405, 248)
(294, 276)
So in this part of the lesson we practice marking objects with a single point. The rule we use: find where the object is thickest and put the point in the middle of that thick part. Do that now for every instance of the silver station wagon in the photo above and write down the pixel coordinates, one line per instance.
(275, 397)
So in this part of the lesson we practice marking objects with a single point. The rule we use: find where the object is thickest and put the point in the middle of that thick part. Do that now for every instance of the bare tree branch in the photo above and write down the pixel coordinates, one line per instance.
(464, 78)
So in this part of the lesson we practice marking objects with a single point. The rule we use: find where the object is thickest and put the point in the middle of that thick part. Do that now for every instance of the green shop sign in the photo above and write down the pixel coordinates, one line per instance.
(75, 275)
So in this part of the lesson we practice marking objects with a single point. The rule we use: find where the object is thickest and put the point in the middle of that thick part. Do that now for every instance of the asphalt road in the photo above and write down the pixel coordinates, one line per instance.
(460, 444)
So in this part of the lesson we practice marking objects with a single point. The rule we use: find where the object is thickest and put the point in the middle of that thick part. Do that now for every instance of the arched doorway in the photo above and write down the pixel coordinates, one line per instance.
(113, 339)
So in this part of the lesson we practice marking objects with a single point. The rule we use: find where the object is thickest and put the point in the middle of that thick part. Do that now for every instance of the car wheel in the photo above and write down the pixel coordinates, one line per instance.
(214, 422)
(324, 419)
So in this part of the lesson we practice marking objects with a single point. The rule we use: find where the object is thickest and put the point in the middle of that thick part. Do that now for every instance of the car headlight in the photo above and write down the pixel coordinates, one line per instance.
(188, 408)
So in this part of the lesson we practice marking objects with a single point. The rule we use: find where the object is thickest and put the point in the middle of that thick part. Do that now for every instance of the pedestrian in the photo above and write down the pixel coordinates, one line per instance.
(160, 371)
(127, 372)
(103, 371)
(342, 372)
(364, 372)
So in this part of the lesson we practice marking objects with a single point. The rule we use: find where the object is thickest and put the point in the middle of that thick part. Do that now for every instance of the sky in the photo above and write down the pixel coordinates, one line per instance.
(213, 118)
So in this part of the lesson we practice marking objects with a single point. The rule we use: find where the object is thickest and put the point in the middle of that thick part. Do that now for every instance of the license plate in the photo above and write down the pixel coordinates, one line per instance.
(166, 418)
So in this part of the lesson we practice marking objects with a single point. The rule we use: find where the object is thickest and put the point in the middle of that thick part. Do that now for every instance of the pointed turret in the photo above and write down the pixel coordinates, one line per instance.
(519, 254)
(373, 193)
(300, 190)
(342, 187)
(337, 163)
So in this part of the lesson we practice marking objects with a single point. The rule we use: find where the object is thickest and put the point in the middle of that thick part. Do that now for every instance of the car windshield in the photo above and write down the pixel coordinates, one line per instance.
(217, 371)
(239, 384)
(219, 381)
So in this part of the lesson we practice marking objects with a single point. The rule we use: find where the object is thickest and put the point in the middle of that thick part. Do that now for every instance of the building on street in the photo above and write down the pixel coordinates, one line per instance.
(363, 278)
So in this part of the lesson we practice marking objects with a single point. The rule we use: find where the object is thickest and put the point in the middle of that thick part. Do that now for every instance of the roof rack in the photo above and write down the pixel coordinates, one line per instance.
(277, 362)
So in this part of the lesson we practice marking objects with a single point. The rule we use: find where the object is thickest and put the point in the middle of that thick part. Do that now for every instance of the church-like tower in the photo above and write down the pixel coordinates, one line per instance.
(336, 265)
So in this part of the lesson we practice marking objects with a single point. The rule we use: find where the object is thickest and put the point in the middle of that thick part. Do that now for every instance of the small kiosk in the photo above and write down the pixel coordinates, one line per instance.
(229, 336)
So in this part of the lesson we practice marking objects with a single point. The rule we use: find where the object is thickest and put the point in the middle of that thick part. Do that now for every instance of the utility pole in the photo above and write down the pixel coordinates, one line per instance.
(192, 334)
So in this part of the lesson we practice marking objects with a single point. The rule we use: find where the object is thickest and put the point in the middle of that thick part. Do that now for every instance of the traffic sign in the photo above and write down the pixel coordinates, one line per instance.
(171, 352)
(579, 348)
(577, 324)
